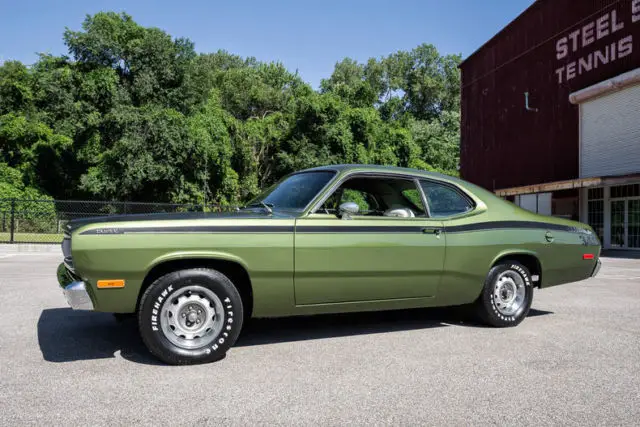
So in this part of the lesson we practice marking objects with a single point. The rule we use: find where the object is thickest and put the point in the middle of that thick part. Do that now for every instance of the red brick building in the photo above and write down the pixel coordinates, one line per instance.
(551, 114)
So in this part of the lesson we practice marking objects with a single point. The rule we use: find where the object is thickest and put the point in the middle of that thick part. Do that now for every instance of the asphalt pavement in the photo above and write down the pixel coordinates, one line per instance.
(574, 361)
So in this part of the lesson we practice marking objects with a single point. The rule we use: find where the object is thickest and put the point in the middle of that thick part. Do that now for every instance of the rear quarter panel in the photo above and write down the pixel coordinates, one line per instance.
(472, 251)
(470, 255)
(564, 259)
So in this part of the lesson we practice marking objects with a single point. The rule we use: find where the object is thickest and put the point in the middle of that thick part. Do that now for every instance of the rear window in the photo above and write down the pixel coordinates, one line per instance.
(444, 201)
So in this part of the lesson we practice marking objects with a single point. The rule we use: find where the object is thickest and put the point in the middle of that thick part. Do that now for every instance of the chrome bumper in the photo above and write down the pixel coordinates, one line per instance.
(77, 296)
(596, 269)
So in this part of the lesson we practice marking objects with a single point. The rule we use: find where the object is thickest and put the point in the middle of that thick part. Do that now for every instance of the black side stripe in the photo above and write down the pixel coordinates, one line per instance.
(503, 225)
(194, 229)
(310, 229)
(347, 228)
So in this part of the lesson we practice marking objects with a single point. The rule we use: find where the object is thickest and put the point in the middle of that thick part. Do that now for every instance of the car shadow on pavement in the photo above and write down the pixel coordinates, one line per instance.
(65, 335)
(268, 331)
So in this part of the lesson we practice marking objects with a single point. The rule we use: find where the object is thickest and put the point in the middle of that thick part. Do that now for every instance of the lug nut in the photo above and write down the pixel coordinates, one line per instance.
(184, 315)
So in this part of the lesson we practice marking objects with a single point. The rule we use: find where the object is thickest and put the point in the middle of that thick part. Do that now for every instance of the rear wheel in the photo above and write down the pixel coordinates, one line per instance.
(507, 295)
(190, 316)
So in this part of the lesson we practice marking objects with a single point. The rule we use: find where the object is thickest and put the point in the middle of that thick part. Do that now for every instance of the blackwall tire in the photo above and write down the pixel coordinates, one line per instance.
(506, 296)
(190, 316)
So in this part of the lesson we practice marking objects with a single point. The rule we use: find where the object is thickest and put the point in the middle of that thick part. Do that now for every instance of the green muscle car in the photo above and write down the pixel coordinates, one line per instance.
(323, 240)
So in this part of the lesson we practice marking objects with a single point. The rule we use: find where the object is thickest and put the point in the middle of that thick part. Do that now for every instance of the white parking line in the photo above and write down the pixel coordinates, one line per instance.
(27, 254)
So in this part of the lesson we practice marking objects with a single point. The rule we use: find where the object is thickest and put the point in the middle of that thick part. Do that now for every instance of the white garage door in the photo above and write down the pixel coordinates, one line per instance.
(610, 134)
(538, 203)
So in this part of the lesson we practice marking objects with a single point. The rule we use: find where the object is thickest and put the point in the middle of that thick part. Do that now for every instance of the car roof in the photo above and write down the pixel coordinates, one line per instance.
(344, 168)
(376, 168)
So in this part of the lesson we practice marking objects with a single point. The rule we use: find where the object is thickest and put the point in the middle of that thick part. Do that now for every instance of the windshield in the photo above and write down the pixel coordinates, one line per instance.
(295, 191)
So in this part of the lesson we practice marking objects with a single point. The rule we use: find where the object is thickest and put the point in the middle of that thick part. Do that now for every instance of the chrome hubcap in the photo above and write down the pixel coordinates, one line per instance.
(509, 293)
(192, 317)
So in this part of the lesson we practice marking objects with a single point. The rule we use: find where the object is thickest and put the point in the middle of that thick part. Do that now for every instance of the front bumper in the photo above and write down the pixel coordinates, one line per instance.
(77, 296)
(596, 269)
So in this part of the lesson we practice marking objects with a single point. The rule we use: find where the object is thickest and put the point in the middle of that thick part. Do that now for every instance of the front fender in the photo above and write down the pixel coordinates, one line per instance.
(184, 255)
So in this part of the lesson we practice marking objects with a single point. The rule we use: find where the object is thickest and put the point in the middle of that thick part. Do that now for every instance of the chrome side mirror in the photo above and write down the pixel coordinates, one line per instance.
(347, 209)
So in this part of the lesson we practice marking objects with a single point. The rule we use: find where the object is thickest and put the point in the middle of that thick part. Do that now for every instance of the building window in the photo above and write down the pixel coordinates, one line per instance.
(596, 193)
(595, 211)
(617, 223)
(596, 217)
(623, 191)
(634, 224)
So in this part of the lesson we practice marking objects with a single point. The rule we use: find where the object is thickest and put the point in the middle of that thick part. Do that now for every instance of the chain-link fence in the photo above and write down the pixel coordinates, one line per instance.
(43, 221)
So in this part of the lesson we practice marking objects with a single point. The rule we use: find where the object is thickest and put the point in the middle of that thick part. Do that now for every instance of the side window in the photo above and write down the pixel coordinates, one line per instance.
(378, 196)
(444, 201)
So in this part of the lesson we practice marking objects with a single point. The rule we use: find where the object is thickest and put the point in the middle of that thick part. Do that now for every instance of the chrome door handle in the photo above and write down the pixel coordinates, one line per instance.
(432, 230)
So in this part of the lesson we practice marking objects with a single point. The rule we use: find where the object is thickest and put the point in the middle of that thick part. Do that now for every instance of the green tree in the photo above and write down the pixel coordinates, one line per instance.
(16, 85)
(135, 114)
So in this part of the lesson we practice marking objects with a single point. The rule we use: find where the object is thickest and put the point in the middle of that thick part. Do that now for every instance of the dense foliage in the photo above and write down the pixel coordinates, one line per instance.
(134, 114)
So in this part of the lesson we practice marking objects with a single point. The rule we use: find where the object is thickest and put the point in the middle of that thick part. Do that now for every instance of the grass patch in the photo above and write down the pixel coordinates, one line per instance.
(32, 237)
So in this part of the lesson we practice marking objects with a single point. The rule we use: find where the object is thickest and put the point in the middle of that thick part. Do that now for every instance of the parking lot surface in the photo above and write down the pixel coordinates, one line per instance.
(574, 361)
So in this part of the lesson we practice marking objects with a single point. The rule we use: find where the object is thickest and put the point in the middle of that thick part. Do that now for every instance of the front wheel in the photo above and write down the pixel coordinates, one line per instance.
(507, 295)
(190, 316)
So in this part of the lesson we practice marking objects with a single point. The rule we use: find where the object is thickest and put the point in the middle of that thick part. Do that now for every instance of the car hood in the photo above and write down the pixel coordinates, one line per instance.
(235, 215)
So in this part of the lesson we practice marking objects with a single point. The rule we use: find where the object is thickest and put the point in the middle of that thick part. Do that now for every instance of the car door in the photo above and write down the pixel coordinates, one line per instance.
(366, 258)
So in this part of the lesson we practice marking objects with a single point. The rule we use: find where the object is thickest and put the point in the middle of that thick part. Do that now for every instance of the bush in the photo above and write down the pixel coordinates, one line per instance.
(33, 211)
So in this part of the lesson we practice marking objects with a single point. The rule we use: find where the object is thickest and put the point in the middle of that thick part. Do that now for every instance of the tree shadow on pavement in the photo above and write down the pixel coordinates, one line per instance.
(65, 335)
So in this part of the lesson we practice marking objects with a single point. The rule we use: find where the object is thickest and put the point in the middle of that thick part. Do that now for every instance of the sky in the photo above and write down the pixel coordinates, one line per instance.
(307, 36)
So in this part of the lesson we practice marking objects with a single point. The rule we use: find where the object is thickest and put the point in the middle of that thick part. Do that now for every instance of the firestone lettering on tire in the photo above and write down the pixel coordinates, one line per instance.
(224, 334)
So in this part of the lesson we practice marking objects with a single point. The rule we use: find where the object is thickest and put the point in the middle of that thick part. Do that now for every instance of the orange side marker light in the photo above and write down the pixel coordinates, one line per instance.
(107, 284)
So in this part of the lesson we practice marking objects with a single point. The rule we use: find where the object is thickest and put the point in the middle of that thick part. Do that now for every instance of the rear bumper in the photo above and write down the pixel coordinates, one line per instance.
(77, 296)
(596, 269)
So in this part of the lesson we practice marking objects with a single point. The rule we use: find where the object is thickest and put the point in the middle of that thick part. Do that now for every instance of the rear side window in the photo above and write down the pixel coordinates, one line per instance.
(444, 200)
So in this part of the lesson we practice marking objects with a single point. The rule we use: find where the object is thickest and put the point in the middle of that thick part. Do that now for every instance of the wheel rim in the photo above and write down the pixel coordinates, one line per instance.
(509, 292)
(192, 317)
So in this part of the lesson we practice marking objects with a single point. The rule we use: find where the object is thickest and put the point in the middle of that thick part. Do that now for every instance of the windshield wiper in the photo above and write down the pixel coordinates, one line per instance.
(266, 206)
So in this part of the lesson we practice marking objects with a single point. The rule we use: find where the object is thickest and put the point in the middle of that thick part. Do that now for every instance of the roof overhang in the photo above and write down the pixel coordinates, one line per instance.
(568, 185)
(610, 85)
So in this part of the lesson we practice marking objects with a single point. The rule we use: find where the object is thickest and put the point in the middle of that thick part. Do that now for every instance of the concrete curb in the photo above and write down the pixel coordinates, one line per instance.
(27, 247)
